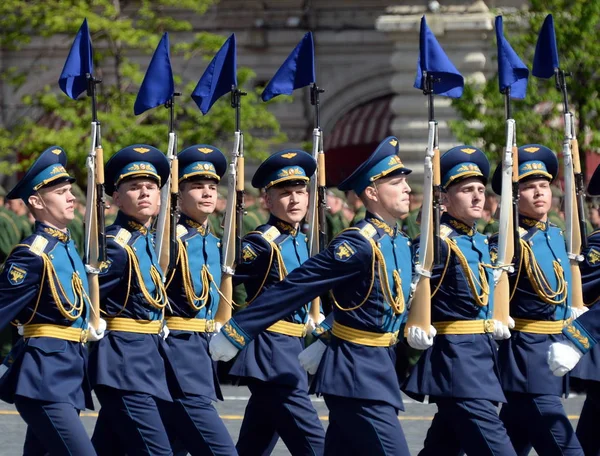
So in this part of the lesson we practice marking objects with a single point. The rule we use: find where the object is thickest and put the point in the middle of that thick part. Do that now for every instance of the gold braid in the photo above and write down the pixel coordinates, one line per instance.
(538, 278)
(76, 286)
(160, 301)
(480, 299)
(396, 303)
(188, 283)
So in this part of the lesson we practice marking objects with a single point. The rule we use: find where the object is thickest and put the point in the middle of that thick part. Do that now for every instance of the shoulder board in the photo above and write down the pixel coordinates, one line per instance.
(271, 234)
(181, 231)
(522, 231)
(368, 231)
(122, 237)
(445, 231)
(38, 245)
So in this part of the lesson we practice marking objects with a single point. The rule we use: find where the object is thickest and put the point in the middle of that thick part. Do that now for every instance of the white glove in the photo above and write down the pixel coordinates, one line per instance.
(94, 335)
(218, 327)
(310, 357)
(20, 329)
(501, 331)
(417, 338)
(563, 356)
(511, 323)
(577, 312)
(311, 325)
(221, 349)
(165, 331)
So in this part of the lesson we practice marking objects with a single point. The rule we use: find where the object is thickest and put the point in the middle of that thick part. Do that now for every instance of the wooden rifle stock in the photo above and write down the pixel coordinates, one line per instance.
(578, 220)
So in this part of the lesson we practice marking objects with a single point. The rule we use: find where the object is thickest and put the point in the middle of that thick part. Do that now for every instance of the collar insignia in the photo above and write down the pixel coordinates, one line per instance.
(193, 224)
(57, 234)
(138, 227)
(285, 227)
(534, 223)
(461, 227)
(381, 225)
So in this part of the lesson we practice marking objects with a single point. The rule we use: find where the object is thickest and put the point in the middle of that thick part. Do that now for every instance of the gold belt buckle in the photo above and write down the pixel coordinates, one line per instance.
(83, 337)
(489, 326)
(394, 339)
(304, 330)
(210, 326)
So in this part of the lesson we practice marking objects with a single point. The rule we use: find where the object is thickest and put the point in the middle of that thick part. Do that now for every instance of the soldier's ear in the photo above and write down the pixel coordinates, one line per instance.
(35, 201)
(371, 193)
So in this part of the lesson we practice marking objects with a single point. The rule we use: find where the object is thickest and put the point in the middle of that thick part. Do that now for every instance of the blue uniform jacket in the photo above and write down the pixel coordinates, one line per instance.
(125, 360)
(459, 366)
(352, 268)
(523, 357)
(45, 368)
(199, 258)
(269, 254)
(589, 366)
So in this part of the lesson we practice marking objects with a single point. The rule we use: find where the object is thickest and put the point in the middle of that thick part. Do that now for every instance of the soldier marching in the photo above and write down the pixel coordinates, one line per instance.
(179, 282)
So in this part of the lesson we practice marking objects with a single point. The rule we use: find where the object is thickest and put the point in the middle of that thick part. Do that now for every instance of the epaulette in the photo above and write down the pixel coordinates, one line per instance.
(271, 234)
(522, 231)
(38, 245)
(445, 231)
(181, 231)
(122, 237)
(368, 231)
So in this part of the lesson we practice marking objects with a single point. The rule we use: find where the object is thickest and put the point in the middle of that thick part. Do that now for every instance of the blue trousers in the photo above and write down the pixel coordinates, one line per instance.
(194, 426)
(587, 428)
(471, 426)
(53, 428)
(540, 422)
(129, 423)
(275, 411)
(361, 427)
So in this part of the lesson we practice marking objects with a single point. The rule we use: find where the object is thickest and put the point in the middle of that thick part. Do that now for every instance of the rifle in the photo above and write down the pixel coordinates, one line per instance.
(318, 197)
(546, 64)
(234, 214)
(429, 247)
(574, 194)
(508, 236)
(166, 225)
(95, 236)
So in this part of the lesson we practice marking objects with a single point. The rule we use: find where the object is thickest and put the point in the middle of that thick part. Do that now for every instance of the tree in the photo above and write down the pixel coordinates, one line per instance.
(119, 28)
(539, 116)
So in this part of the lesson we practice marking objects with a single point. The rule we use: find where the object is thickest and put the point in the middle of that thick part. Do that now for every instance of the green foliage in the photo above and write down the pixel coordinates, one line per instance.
(539, 116)
(120, 28)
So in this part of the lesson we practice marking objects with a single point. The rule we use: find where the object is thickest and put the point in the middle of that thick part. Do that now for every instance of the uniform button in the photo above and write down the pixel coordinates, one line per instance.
(408, 242)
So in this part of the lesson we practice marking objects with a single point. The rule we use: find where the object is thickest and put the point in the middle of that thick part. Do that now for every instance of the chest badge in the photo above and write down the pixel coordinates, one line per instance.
(593, 257)
(248, 254)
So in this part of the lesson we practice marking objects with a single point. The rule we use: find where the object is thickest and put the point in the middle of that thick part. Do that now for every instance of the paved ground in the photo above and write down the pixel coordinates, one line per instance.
(415, 421)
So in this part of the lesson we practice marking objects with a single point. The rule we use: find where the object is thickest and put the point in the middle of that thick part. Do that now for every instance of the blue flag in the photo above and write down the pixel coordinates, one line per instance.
(545, 59)
(433, 60)
(512, 72)
(297, 71)
(158, 86)
(219, 78)
(73, 79)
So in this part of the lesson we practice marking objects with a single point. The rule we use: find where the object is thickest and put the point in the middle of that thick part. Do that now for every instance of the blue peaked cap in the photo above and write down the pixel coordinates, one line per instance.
(462, 162)
(284, 166)
(48, 169)
(535, 161)
(201, 160)
(138, 160)
(384, 162)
